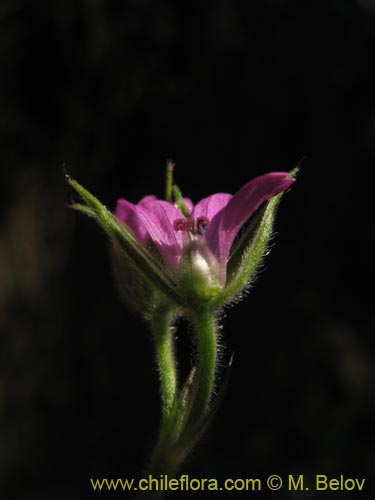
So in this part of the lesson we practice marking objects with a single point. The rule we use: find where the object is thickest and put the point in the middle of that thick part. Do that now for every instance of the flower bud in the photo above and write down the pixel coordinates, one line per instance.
(199, 273)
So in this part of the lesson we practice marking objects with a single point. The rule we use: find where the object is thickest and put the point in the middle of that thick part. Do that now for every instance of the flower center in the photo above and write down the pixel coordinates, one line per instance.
(194, 226)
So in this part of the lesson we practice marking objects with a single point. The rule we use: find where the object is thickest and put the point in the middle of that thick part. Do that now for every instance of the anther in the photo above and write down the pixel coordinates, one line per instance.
(189, 224)
(194, 226)
(201, 224)
(179, 225)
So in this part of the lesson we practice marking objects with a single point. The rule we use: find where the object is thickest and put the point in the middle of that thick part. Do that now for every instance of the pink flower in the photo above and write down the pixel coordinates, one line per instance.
(212, 225)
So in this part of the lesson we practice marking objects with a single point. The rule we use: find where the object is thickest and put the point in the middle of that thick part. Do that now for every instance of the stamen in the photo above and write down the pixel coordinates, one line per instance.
(201, 224)
(179, 225)
(194, 226)
(189, 226)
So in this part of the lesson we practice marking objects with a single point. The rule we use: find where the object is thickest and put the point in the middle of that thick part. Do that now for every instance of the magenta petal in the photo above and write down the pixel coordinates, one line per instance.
(210, 206)
(147, 201)
(226, 225)
(158, 219)
(127, 213)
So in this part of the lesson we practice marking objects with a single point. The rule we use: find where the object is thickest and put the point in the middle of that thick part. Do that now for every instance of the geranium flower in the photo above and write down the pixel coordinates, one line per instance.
(207, 233)
(179, 259)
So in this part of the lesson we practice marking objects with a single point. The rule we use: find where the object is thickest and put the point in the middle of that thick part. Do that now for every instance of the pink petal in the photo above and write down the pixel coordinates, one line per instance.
(147, 201)
(225, 226)
(158, 219)
(127, 213)
(210, 206)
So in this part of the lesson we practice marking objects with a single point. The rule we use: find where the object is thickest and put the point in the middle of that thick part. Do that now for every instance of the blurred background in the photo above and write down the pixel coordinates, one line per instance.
(229, 89)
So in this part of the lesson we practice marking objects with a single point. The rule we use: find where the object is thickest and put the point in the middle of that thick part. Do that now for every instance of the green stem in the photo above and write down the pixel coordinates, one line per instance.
(162, 461)
(163, 332)
(197, 415)
(182, 426)
(205, 324)
(169, 181)
(179, 200)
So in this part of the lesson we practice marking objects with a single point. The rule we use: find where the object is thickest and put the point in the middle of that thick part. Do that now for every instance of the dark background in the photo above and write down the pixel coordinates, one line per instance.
(229, 90)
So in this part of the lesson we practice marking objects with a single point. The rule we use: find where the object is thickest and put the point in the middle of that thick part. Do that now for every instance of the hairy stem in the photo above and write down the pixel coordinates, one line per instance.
(183, 421)
(205, 324)
(198, 412)
(162, 460)
(169, 181)
(163, 333)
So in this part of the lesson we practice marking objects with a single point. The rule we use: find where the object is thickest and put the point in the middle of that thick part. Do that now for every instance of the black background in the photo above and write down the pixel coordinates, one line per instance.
(230, 90)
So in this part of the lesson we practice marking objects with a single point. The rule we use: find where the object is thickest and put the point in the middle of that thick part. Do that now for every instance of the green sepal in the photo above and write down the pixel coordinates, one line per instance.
(180, 410)
(138, 294)
(193, 430)
(144, 261)
(180, 434)
(250, 249)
